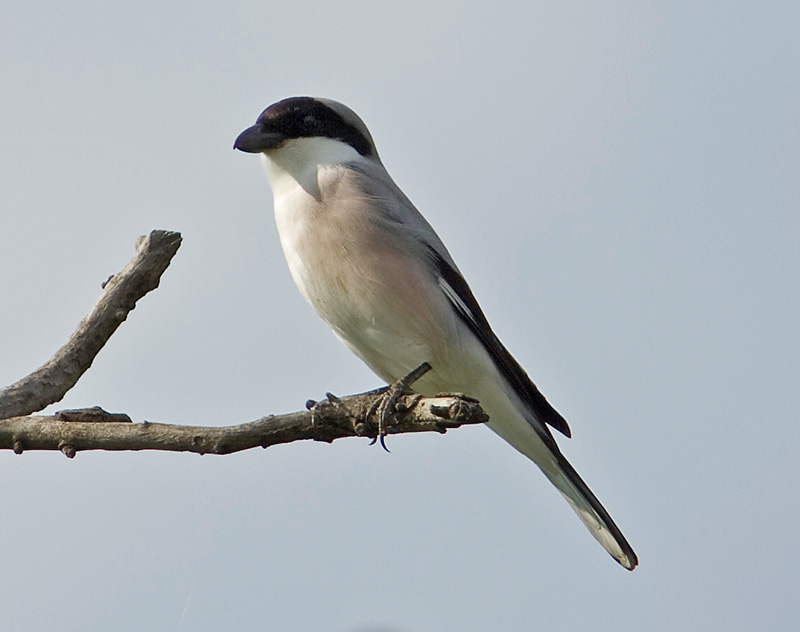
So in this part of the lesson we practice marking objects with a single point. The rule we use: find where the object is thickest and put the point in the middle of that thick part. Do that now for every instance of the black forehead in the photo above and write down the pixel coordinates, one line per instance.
(306, 117)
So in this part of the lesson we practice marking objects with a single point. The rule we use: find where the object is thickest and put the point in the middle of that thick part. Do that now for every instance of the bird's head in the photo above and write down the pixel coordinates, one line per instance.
(301, 123)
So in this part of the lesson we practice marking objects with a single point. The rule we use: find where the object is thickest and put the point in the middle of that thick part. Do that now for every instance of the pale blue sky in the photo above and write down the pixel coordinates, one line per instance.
(618, 182)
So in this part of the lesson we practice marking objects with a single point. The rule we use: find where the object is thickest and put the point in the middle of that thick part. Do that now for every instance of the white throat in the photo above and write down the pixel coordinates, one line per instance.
(298, 161)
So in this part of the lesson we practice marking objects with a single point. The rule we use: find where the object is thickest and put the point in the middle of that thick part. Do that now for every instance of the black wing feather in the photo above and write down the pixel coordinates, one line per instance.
(467, 308)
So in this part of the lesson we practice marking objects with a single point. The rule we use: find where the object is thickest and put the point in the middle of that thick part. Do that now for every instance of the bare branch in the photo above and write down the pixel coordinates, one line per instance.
(327, 420)
(391, 410)
(50, 382)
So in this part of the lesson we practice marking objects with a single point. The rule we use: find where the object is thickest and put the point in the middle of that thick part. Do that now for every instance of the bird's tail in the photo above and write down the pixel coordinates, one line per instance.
(507, 420)
(590, 511)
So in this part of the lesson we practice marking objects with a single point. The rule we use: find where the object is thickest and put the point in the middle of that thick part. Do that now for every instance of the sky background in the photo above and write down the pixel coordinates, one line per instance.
(620, 184)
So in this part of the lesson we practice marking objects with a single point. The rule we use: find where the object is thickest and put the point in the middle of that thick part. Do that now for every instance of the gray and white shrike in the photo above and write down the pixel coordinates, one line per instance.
(379, 275)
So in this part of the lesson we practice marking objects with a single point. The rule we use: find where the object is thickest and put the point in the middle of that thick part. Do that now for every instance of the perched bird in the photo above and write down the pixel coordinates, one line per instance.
(379, 275)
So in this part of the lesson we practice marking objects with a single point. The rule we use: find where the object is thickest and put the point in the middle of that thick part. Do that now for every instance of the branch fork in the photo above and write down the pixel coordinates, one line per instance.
(389, 410)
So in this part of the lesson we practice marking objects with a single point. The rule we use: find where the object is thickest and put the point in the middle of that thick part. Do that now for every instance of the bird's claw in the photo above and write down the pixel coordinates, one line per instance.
(385, 407)
(392, 395)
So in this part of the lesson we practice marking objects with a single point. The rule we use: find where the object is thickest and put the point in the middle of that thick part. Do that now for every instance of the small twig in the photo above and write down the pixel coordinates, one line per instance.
(326, 423)
(51, 381)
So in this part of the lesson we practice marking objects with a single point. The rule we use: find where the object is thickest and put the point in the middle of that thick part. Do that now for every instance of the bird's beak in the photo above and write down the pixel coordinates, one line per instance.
(256, 139)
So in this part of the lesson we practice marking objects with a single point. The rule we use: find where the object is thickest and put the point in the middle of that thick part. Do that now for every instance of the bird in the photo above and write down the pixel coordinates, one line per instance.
(378, 274)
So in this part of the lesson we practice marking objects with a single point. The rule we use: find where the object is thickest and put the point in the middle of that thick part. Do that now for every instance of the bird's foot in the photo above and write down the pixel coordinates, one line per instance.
(390, 401)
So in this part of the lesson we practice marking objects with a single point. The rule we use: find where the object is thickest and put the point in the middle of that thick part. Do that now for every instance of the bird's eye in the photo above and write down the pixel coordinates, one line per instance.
(309, 123)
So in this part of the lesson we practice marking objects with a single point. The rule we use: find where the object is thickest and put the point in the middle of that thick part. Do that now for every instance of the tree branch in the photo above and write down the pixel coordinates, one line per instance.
(388, 410)
(327, 420)
(50, 382)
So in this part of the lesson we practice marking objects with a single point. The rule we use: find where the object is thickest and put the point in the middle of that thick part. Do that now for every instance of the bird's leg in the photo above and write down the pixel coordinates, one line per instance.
(386, 405)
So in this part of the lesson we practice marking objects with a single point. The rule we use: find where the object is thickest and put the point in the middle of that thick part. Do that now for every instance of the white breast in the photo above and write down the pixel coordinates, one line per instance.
(360, 279)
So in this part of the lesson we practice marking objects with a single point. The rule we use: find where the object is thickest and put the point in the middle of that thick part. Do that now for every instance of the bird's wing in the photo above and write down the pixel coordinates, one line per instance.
(402, 217)
(463, 301)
